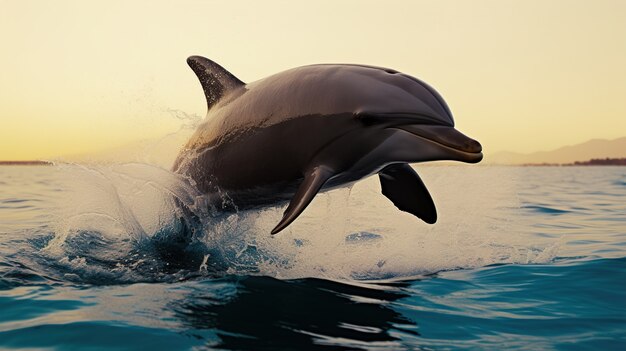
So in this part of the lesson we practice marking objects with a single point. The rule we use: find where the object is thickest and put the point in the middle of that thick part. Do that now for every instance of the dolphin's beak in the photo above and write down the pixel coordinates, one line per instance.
(466, 148)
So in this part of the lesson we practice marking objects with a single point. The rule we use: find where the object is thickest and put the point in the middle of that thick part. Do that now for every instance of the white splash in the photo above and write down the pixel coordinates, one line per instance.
(114, 213)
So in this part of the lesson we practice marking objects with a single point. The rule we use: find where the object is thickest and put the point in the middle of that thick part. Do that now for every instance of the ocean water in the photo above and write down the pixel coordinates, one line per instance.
(522, 258)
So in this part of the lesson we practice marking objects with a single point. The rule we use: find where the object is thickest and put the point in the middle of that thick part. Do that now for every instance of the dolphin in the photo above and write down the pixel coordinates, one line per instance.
(314, 128)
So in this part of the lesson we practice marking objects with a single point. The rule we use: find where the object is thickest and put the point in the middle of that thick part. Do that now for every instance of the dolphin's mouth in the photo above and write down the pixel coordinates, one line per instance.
(449, 138)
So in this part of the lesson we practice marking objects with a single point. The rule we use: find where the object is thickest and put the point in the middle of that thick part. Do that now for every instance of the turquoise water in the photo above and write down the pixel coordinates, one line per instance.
(521, 258)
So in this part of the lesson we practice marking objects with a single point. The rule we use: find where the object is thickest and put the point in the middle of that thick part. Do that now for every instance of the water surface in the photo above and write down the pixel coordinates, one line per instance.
(521, 258)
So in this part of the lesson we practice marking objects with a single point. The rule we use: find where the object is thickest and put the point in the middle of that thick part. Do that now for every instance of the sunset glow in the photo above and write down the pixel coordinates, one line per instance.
(522, 76)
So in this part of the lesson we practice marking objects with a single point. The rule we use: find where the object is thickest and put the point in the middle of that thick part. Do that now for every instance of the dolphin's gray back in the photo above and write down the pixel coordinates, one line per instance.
(317, 90)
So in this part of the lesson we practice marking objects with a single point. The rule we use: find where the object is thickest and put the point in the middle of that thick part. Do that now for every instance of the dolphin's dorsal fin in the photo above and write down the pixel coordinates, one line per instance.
(401, 184)
(313, 182)
(215, 80)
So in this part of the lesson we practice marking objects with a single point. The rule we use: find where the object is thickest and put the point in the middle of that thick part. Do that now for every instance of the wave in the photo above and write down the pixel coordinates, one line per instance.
(545, 209)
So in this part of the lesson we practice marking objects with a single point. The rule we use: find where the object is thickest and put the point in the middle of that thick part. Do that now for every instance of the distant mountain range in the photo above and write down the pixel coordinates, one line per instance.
(592, 149)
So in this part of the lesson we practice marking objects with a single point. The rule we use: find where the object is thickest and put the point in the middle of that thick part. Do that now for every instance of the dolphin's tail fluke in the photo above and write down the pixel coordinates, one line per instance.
(215, 80)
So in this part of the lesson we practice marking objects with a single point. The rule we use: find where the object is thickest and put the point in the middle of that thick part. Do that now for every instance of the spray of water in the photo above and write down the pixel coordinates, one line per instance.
(135, 221)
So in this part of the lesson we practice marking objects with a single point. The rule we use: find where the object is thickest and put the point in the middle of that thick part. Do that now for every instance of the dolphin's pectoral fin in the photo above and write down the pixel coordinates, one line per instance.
(215, 80)
(401, 184)
(313, 182)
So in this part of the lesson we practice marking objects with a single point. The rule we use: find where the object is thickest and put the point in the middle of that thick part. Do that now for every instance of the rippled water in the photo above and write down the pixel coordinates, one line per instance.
(521, 258)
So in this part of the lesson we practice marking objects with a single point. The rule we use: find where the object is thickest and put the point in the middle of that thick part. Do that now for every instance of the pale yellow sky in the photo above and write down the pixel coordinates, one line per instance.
(81, 76)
